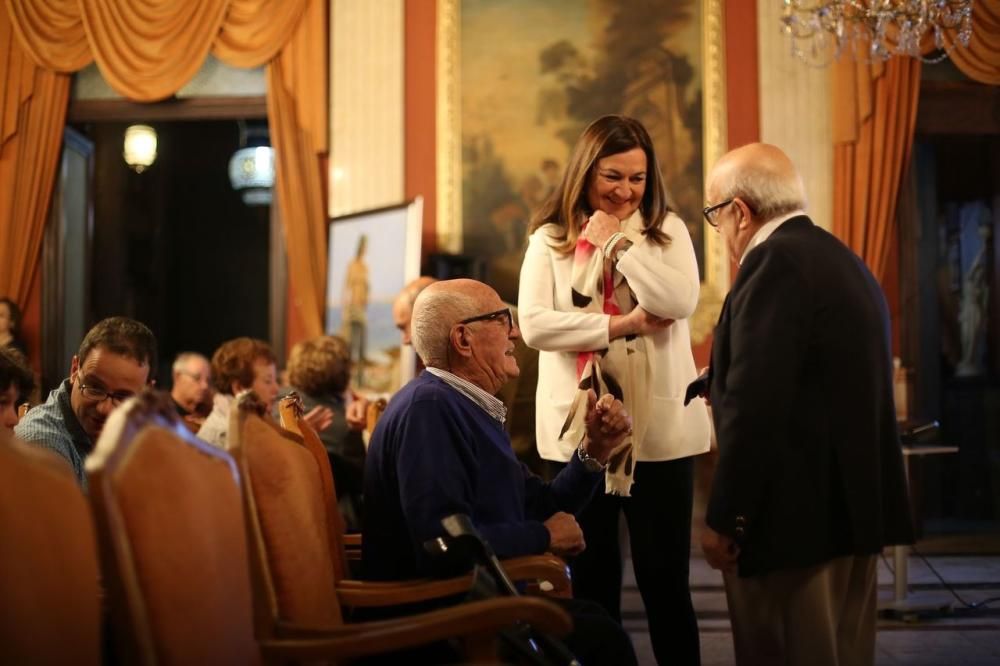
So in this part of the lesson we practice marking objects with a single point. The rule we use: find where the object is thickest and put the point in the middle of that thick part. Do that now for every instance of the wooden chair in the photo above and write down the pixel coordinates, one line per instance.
(171, 528)
(372, 415)
(546, 572)
(49, 581)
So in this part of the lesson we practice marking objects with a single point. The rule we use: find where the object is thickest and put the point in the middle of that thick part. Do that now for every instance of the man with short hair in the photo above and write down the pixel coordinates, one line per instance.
(402, 307)
(809, 485)
(116, 360)
(16, 382)
(440, 449)
(518, 394)
(192, 388)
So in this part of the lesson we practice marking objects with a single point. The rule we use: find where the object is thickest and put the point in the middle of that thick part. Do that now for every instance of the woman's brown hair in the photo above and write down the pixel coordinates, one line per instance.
(320, 366)
(567, 206)
(233, 362)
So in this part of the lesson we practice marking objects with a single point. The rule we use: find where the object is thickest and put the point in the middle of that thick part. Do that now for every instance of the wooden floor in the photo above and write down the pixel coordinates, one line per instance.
(969, 563)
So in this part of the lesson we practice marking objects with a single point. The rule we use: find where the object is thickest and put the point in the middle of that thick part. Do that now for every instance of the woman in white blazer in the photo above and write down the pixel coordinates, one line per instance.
(613, 197)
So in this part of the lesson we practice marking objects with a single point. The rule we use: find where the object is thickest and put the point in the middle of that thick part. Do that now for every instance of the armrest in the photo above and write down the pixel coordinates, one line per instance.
(352, 540)
(542, 569)
(470, 620)
(547, 568)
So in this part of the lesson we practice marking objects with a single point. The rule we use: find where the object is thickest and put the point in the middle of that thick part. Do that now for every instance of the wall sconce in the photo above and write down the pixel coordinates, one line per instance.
(140, 147)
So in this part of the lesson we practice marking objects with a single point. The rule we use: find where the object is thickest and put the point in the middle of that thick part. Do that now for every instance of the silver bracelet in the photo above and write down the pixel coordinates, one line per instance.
(611, 242)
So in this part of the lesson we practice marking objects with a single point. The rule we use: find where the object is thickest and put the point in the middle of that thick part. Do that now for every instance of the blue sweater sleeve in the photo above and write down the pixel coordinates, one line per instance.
(439, 475)
(570, 491)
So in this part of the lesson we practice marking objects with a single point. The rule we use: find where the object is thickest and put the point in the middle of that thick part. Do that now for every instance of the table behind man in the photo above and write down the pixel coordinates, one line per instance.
(809, 485)
(441, 449)
(115, 361)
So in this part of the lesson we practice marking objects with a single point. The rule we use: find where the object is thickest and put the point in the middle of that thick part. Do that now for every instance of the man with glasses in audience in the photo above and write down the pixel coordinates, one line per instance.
(192, 389)
(441, 449)
(116, 360)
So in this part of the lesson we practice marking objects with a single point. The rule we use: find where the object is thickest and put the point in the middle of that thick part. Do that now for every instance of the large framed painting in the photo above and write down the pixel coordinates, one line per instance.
(519, 80)
(372, 255)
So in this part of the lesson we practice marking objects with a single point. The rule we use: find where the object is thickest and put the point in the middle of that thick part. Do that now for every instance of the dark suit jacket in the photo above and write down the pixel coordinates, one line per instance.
(810, 466)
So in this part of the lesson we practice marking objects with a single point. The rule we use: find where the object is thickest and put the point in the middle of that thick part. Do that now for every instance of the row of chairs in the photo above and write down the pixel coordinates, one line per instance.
(198, 555)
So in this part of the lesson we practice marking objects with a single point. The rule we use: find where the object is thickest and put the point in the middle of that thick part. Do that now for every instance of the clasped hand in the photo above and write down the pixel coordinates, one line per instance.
(607, 424)
(600, 228)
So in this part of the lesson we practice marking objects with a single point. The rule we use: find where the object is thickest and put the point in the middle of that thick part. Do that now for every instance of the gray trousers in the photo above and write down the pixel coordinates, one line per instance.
(822, 615)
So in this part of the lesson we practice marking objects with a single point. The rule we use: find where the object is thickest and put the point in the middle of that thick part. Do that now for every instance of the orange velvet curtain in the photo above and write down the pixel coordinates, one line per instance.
(874, 114)
(32, 114)
(980, 61)
(147, 51)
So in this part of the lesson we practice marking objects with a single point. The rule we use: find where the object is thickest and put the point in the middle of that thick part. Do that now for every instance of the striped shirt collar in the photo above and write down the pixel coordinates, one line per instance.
(491, 404)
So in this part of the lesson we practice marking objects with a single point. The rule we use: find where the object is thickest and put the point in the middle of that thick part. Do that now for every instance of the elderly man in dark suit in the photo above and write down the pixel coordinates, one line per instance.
(810, 484)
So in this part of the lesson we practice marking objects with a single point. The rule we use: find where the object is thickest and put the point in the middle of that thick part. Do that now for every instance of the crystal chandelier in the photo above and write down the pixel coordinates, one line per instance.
(874, 30)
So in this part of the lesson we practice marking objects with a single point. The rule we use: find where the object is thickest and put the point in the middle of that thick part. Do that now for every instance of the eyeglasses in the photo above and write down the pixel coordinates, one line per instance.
(196, 376)
(707, 212)
(490, 316)
(100, 395)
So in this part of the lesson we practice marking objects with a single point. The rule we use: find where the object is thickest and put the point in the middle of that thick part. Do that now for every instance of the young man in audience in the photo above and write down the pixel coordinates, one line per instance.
(16, 382)
(115, 361)
(440, 449)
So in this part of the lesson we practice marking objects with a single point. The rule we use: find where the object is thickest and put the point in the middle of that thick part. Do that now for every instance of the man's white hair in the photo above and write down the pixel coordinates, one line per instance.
(180, 363)
(768, 192)
(434, 314)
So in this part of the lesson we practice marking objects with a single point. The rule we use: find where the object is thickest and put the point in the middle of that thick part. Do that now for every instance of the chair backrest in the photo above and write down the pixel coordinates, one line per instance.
(373, 414)
(173, 546)
(291, 413)
(49, 579)
(288, 524)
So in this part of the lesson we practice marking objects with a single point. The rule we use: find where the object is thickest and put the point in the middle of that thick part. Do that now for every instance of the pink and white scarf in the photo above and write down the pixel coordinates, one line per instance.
(621, 370)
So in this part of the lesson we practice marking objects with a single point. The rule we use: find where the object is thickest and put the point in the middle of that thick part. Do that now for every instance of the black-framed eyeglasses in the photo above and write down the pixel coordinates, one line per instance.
(490, 316)
(100, 395)
(708, 210)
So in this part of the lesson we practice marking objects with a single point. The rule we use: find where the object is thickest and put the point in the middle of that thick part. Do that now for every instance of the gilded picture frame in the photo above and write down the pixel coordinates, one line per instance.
(452, 235)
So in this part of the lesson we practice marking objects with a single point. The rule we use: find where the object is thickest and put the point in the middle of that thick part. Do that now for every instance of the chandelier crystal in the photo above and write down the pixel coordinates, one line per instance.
(874, 30)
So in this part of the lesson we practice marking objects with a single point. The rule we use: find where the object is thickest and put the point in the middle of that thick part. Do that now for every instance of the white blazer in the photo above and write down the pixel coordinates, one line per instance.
(665, 282)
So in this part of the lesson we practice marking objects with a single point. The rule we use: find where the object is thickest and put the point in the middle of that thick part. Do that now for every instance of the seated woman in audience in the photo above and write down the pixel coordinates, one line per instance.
(319, 371)
(16, 382)
(10, 318)
(238, 365)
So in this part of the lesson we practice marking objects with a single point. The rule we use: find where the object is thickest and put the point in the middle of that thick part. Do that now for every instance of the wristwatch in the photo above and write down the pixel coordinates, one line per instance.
(592, 464)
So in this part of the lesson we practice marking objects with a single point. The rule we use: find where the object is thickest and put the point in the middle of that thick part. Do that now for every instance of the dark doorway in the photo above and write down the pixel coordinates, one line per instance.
(175, 246)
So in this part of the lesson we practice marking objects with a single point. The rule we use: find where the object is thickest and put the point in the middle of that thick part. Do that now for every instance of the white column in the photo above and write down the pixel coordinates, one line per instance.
(366, 105)
(795, 110)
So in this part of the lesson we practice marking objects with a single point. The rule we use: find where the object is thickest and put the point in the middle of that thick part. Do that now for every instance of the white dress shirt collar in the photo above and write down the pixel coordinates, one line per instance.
(766, 230)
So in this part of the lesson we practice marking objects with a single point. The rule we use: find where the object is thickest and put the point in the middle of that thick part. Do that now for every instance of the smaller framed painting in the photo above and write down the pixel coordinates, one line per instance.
(372, 255)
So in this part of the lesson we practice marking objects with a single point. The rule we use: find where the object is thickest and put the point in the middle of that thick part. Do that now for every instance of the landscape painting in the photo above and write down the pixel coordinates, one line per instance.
(533, 74)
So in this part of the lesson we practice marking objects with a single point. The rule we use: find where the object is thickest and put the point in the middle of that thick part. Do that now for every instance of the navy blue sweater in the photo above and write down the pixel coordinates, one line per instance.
(435, 453)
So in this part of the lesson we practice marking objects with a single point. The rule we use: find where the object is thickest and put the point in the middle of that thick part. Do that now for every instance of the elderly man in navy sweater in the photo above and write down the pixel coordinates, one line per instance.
(440, 449)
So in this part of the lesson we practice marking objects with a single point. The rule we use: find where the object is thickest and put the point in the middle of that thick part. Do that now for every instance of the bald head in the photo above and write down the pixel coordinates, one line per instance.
(762, 176)
(442, 305)
(402, 307)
